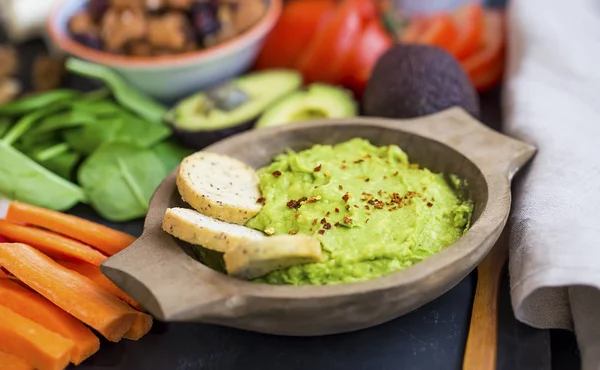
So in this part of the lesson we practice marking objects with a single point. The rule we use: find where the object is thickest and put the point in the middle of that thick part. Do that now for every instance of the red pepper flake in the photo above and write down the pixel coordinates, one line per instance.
(344, 161)
(336, 224)
(343, 167)
(385, 177)
(380, 193)
(358, 161)
(429, 204)
(355, 206)
(295, 204)
(321, 232)
(327, 214)
(315, 187)
(367, 179)
(323, 221)
(410, 201)
(423, 188)
(260, 200)
(376, 203)
(367, 221)
(396, 173)
(390, 210)
(277, 173)
(337, 210)
(292, 232)
(346, 197)
(367, 155)
(347, 219)
(433, 199)
(315, 221)
(367, 207)
(296, 215)
(311, 229)
(348, 207)
(340, 187)
(318, 168)
(327, 226)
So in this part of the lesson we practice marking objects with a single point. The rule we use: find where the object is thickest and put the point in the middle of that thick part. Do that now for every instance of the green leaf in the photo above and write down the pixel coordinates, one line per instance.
(98, 108)
(33, 103)
(64, 120)
(171, 154)
(126, 95)
(29, 144)
(119, 178)
(24, 180)
(85, 140)
(141, 132)
(62, 164)
(5, 124)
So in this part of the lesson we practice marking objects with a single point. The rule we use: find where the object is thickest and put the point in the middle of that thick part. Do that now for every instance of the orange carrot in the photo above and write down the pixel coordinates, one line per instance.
(93, 273)
(40, 347)
(4, 275)
(69, 290)
(34, 307)
(140, 327)
(10, 362)
(54, 245)
(103, 238)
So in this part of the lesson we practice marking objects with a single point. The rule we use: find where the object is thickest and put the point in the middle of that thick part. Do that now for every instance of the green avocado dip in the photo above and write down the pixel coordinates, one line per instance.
(373, 211)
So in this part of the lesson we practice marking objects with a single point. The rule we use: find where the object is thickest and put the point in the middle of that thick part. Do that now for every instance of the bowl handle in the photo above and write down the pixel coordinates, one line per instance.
(140, 271)
(484, 146)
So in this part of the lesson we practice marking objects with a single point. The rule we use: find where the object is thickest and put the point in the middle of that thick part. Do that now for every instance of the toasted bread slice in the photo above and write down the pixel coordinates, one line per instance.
(259, 257)
(195, 228)
(219, 186)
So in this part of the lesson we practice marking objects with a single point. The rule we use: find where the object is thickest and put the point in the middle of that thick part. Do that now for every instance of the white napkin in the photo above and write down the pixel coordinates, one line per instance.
(552, 100)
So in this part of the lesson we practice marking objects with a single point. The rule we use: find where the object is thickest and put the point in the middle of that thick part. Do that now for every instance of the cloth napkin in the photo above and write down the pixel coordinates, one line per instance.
(552, 100)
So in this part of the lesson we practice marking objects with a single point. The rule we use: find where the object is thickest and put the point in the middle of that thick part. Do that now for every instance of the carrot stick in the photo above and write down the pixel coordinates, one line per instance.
(34, 307)
(69, 290)
(10, 362)
(40, 347)
(140, 327)
(54, 245)
(4, 275)
(103, 238)
(93, 273)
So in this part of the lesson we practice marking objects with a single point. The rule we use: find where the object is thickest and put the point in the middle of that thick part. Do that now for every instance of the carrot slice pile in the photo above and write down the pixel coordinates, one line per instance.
(10, 362)
(69, 290)
(34, 307)
(4, 275)
(52, 244)
(93, 273)
(103, 238)
(30, 341)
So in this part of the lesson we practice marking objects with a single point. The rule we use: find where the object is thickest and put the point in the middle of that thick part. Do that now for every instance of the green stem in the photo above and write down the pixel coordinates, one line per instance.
(135, 189)
(26, 122)
(51, 152)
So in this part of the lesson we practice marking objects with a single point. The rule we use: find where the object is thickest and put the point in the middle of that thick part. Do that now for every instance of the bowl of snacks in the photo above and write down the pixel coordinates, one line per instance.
(322, 227)
(165, 48)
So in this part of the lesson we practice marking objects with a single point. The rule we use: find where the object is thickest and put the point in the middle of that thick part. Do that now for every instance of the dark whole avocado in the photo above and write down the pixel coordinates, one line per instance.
(231, 107)
(415, 80)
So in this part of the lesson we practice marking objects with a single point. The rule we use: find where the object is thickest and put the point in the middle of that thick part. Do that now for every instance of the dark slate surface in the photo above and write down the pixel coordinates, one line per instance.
(432, 337)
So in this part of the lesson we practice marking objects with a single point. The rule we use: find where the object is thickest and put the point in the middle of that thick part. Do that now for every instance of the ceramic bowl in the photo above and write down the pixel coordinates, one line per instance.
(169, 78)
(157, 272)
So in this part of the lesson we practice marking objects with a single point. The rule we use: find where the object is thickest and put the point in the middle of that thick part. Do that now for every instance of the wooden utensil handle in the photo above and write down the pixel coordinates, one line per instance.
(482, 343)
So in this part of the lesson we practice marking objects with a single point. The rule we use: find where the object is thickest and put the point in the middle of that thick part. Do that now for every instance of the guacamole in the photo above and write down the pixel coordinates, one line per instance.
(373, 211)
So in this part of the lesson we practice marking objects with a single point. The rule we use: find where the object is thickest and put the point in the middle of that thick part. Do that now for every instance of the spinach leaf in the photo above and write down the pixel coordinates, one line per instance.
(141, 132)
(23, 179)
(98, 108)
(36, 102)
(61, 121)
(85, 140)
(171, 154)
(119, 178)
(29, 144)
(62, 164)
(126, 95)
(5, 124)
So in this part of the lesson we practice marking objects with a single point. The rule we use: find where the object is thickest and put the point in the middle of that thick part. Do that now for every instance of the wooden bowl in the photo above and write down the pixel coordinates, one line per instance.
(172, 286)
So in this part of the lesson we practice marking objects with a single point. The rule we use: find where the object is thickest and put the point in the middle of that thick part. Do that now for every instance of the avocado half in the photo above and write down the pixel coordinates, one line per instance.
(317, 101)
(231, 107)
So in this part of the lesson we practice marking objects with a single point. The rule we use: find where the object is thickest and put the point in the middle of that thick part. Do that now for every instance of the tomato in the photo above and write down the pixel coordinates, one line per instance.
(367, 9)
(328, 51)
(490, 53)
(438, 29)
(487, 79)
(469, 21)
(373, 43)
(299, 22)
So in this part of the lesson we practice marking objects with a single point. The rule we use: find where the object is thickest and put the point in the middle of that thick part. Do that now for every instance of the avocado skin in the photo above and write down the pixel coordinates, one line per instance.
(415, 80)
(199, 140)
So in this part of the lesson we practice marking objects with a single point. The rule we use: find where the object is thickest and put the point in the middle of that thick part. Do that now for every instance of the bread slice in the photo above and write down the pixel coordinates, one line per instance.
(195, 228)
(259, 257)
(219, 186)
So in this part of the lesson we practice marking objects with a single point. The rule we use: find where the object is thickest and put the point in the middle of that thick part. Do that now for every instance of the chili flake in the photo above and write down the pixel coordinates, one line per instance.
(260, 200)
(359, 161)
(318, 168)
(336, 224)
(277, 173)
(321, 232)
(340, 187)
(327, 214)
(292, 232)
(315, 221)
(367, 221)
(367, 179)
(347, 219)
(429, 204)
(323, 221)
(327, 226)
(337, 210)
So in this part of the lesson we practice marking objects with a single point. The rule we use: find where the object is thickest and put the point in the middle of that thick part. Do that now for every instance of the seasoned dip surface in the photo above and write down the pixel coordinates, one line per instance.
(373, 211)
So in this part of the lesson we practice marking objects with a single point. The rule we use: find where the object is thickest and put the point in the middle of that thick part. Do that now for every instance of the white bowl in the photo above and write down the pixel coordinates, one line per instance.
(172, 77)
